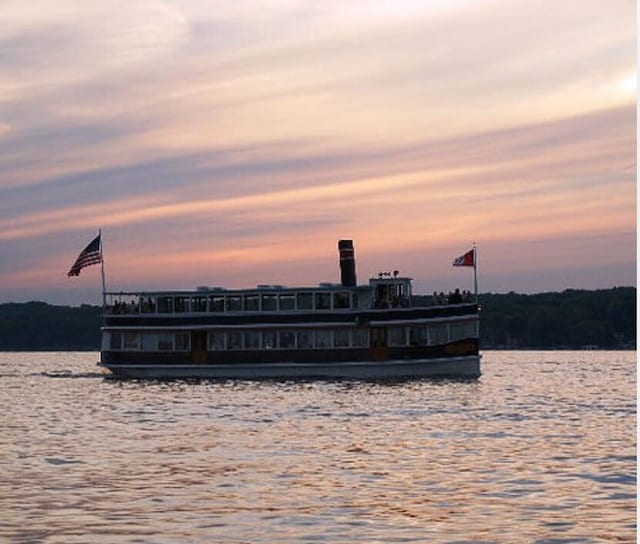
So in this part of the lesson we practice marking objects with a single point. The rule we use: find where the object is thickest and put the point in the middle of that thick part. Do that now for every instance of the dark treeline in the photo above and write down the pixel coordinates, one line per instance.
(37, 326)
(572, 319)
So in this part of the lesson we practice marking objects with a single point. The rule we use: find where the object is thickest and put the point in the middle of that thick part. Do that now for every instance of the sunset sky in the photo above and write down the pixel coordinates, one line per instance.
(233, 143)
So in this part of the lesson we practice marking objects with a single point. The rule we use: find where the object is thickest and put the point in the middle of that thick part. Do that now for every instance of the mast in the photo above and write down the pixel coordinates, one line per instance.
(475, 271)
(104, 288)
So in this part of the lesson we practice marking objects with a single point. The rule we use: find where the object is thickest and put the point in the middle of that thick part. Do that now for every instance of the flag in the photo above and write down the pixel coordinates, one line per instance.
(468, 259)
(91, 254)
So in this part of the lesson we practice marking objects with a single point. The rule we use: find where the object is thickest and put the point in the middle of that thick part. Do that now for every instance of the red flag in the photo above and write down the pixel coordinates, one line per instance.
(468, 259)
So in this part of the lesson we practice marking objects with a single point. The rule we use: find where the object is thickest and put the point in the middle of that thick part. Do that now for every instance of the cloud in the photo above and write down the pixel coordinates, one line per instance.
(63, 40)
(536, 165)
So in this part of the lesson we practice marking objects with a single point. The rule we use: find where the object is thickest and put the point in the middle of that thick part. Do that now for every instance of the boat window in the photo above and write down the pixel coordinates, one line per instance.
(216, 340)
(131, 341)
(147, 305)
(382, 296)
(148, 341)
(216, 303)
(165, 341)
(199, 304)
(462, 329)
(182, 341)
(396, 295)
(269, 340)
(287, 302)
(323, 338)
(287, 339)
(181, 304)
(234, 303)
(341, 338)
(418, 336)
(323, 301)
(396, 336)
(269, 303)
(364, 300)
(165, 305)
(251, 303)
(378, 337)
(252, 340)
(305, 301)
(359, 338)
(126, 307)
(234, 340)
(115, 342)
(438, 334)
(341, 300)
(305, 339)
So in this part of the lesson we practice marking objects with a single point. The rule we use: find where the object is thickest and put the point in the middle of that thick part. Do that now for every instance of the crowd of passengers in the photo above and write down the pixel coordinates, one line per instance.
(454, 297)
(395, 302)
(133, 307)
(124, 308)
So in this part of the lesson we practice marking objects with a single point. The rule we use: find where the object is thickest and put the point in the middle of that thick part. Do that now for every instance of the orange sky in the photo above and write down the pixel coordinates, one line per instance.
(234, 146)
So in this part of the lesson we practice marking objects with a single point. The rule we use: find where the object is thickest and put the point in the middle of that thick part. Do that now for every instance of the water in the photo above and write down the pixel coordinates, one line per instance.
(541, 449)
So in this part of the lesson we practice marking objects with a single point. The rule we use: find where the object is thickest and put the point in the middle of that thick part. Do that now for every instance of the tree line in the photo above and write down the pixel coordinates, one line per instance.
(571, 319)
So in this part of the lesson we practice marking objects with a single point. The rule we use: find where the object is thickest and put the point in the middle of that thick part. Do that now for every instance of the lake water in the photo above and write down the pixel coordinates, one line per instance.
(541, 449)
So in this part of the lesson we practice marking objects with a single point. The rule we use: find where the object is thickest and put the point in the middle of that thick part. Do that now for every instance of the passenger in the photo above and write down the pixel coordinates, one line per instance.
(456, 298)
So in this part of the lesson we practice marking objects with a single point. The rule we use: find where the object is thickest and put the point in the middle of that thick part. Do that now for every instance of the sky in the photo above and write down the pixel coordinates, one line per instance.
(233, 143)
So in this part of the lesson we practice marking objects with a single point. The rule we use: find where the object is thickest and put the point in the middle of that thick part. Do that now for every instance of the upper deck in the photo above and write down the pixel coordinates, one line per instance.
(381, 292)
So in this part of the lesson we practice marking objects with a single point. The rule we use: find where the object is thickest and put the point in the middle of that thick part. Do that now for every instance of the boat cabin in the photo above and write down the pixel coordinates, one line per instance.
(391, 291)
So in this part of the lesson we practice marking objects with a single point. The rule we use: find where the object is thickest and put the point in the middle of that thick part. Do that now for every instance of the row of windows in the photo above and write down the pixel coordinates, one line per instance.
(254, 302)
(255, 339)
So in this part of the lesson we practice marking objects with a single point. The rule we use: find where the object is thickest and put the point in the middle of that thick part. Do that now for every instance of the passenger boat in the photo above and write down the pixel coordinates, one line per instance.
(372, 331)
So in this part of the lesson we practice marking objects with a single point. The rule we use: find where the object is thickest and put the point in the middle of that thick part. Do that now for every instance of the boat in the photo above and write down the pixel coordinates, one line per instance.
(376, 331)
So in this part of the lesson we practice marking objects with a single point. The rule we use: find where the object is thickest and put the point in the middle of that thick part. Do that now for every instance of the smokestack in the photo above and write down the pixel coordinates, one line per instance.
(347, 263)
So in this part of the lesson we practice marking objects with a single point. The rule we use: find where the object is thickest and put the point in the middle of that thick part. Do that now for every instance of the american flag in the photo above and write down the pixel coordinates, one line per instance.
(88, 256)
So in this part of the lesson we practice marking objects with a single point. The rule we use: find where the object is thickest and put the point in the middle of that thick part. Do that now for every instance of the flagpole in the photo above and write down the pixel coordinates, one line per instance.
(104, 288)
(475, 271)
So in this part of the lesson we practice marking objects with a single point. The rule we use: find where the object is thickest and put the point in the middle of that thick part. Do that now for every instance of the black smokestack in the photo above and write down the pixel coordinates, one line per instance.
(347, 263)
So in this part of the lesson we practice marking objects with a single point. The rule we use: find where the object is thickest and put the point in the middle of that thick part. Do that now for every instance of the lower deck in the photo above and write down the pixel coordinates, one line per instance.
(414, 343)
(375, 352)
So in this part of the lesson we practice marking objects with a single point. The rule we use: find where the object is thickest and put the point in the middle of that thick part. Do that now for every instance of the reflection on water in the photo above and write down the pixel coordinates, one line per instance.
(540, 449)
